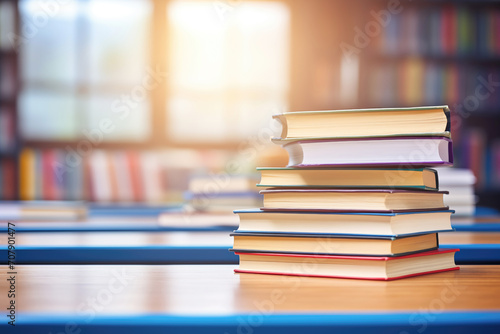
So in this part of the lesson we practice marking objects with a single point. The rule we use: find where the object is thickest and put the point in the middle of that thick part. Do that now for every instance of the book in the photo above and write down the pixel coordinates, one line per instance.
(27, 175)
(456, 177)
(197, 219)
(100, 180)
(135, 176)
(385, 224)
(358, 200)
(151, 177)
(421, 178)
(224, 183)
(7, 179)
(333, 244)
(7, 130)
(122, 176)
(409, 152)
(464, 209)
(223, 202)
(43, 210)
(337, 266)
(364, 122)
(459, 182)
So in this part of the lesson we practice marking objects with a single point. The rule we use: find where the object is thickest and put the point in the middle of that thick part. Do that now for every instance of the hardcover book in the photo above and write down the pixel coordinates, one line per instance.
(357, 200)
(332, 244)
(371, 223)
(364, 122)
(337, 266)
(408, 152)
(393, 178)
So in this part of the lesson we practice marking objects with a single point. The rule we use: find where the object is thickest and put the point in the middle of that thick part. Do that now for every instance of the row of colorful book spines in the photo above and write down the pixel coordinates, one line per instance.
(56, 174)
(45, 175)
(448, 30)
(481, 157)
(416, 82)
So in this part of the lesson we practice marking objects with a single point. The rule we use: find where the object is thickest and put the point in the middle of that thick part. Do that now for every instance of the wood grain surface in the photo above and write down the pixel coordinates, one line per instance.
(216, 289)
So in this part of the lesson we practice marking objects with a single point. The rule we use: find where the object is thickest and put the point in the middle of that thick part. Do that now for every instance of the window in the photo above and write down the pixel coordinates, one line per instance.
(228, 68)
(79, 60)
(86, 61)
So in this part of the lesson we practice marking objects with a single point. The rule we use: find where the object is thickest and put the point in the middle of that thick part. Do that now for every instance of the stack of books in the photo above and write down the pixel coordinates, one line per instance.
(459, 183)
(43, 211)
(221, 193)
(211, 199)
(357, 200)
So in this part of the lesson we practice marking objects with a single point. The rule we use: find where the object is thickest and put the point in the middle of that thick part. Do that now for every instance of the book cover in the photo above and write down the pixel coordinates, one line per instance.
(347, 169)
(349, 257)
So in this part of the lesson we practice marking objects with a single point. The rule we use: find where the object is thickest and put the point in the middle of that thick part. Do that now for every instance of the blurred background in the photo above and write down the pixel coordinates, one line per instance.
(124, 101)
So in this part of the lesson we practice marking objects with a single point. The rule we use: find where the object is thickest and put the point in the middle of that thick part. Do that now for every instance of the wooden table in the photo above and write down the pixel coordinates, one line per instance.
(469, 238)
(170, 299)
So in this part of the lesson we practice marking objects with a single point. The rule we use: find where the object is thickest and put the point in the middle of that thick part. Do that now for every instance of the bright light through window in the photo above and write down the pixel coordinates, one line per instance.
(228, 68)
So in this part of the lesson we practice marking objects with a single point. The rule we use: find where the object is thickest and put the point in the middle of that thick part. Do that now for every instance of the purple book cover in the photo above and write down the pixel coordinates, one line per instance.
(390, 191)
(380, 164)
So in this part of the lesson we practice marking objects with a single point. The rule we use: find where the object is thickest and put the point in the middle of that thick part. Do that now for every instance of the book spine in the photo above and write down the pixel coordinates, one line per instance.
(27, 175)
(48, 185)
(133, 161)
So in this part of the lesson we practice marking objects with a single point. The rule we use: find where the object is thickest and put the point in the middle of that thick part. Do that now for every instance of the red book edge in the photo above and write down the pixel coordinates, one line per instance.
(349, 277)
(135, 177)
(9, 179)
(447, 30)
(350, 257)
(112, 175)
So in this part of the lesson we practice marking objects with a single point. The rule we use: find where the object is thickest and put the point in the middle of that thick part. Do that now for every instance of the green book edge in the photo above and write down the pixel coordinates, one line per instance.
(444, 107)
(278, 140)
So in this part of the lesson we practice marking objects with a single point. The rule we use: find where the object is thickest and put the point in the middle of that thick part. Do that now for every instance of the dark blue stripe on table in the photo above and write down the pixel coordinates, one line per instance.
(121, 255)
(263, 322)
(469, 254)
(476, 253)
(477, 227)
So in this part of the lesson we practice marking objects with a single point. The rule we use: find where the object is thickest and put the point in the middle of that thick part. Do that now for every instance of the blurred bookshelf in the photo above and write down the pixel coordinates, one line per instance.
(450, 50)
(50, 95)
(9, 88)
(67, 68)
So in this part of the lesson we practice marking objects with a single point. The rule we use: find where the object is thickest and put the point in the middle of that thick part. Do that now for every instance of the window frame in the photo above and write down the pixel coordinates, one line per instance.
(158, 97)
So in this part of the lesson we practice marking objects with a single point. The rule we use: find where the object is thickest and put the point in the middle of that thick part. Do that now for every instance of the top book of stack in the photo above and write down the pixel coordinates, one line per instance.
(354, 123)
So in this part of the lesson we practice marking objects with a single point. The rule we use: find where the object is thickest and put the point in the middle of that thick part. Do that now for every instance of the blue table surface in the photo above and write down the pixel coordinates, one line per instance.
(468, 254)
(260, 323)
(145, 221)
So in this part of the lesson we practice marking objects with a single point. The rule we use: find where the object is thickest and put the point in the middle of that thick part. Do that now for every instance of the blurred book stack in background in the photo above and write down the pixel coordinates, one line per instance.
(223, 192)
(459, 183)
(211, 199)
(43, 211)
